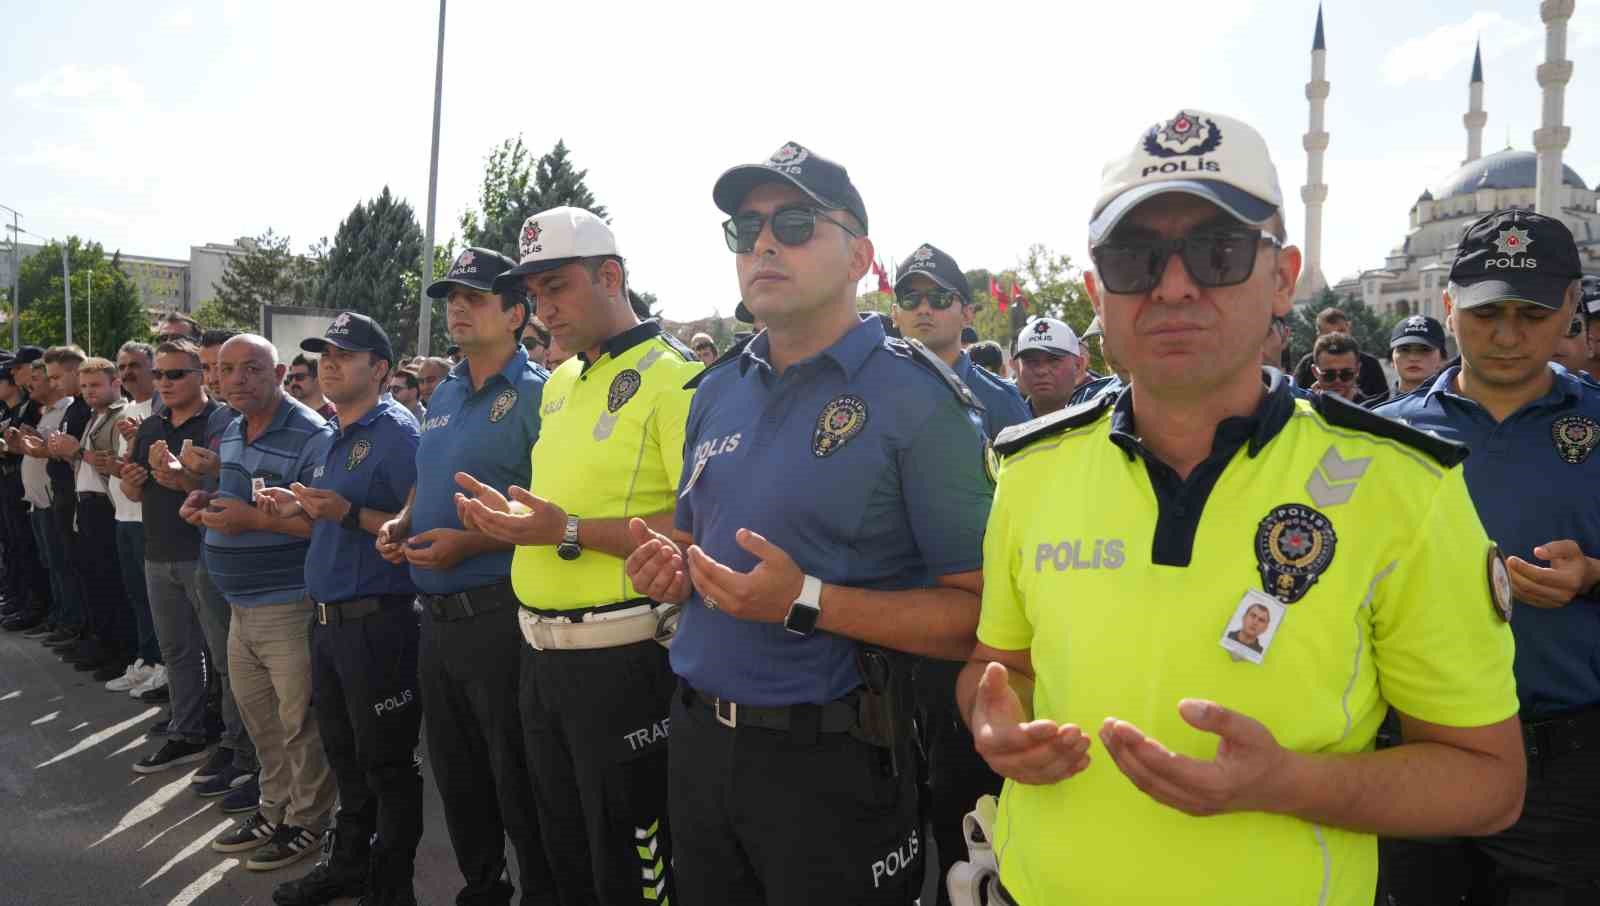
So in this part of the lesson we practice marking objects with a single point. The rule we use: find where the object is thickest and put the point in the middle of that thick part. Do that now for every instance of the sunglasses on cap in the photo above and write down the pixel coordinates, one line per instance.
(1213, 258)
(1337, 375)
(791, 226)
(937, 299)
(173, 374)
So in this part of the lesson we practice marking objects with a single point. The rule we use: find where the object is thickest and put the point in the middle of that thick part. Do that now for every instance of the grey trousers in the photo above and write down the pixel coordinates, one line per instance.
(211, 608)
(183, 645)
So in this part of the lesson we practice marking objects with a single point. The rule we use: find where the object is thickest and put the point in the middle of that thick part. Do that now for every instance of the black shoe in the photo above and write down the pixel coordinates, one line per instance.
(155, 696)
(43, 630)
(224, 781)
(324, 883)
(255, 831)
(288, 845)
(173, 752)
(66, 635)
(245, 797)
(22, 622)
(110, 671)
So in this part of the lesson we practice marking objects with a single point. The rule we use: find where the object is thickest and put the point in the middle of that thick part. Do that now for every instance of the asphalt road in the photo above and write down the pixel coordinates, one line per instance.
(77, 826)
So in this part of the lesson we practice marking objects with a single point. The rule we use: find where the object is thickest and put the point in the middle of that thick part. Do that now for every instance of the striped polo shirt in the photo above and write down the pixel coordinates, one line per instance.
(266, 567)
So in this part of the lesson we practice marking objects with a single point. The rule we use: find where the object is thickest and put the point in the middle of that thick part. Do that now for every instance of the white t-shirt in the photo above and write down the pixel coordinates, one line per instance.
(127, 510)
(35, 477)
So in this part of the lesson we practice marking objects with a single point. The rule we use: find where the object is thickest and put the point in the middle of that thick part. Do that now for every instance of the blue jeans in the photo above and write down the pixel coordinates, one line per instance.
(183, 645)
(63, 611)
(130, 550)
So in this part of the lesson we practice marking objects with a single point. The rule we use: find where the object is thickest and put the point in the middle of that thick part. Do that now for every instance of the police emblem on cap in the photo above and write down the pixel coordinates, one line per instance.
(502, 404)
(1041, 328)
(528, 242)
(1184, 134)
(357, 454)
(464, 263)
(623, 387)
(1415, 322)
(341, 324)
(842, 419)
(1575, 437)
(922, 254)
(1499, 584)
(1294, 546)
(1512, 241)
(790, 155)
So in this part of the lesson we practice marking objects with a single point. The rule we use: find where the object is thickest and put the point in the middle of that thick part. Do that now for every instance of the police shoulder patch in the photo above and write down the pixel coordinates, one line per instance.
(1016, 437)
(1337, 410)
(679, 347)
(358, 452)
(731, 355)
(923, 356)
(1499, 584)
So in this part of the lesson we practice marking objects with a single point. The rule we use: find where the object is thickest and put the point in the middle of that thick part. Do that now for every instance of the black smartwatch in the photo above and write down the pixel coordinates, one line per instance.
(352, 519)
(806, 610)
(569, 549)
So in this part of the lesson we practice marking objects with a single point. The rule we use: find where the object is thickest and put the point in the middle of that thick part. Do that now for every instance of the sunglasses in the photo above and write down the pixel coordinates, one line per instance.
(1337, 375)
(1214, 258)
(937, 299)
(790, 226)
(173, 374)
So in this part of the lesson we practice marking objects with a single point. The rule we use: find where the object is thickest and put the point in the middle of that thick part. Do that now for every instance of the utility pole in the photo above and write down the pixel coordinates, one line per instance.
(66, 287)
(425, 318)
(16, 267)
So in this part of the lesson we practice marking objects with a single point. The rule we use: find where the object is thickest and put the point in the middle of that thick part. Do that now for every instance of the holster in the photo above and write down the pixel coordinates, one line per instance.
(886, 706)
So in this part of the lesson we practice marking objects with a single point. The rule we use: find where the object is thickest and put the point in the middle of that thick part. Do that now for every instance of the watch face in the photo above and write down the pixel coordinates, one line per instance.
(802, 618)
(568, 551)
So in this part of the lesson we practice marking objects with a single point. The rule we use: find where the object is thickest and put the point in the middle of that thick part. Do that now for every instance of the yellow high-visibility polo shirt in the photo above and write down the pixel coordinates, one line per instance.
(610, 446)
(1128, 588)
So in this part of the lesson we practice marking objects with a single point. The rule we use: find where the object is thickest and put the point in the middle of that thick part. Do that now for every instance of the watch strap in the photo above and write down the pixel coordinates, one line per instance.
(571, 534)
(352, 519)
(811, 592)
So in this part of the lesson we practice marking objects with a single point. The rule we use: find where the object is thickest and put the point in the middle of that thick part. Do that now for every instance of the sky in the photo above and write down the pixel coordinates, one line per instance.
(980, 128)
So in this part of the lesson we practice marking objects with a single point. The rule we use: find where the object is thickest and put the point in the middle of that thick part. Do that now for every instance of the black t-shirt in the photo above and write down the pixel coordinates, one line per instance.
(1370, 380)
(64, 474)
(167, 538)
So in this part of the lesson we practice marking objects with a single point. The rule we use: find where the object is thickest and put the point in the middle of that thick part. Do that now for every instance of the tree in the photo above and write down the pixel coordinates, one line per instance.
(267, 273)
(117, 314)
(515, 187)
(1054, 287)
(372, 266)
(36, 271)
(1370, 329)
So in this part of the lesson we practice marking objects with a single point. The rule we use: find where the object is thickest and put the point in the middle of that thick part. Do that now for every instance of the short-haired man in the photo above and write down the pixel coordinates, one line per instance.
(304, 386)
(1048, 359)
(536, 340)
(176, 326)
(109, 649)
(135, 364)
(989, 356)
(704, 347)
(1416, 349)
(933, 305)
(483, 421)
(1535, 480)
(26, 435)
(430, 371)
(61, 368)
(1208, 482)
(27, 581)
(406, 390)
(364, 634)
(1370, 383)
(258, 561)
(1336, 365)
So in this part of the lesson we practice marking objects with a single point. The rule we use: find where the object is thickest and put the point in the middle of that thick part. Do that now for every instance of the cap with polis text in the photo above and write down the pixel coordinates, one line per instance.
(352, 332)
(826, 182)
(558, 237)
(1591, 295)
(1207, 155)
(475, 268)
(1515, 256)
(1048, 335)
(1417, 330)
(937, 266)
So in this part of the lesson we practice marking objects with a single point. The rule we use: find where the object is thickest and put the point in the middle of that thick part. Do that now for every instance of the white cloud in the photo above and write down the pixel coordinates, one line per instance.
(75, 83)
(1448, 49)
(179, 19)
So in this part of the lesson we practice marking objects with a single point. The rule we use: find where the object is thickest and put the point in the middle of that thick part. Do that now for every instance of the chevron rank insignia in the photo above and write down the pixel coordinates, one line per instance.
(1334, 479)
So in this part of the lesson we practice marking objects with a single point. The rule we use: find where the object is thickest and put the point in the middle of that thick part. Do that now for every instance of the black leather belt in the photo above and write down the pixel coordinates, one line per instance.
(1558, 736)
(358, 608)
(462, 605)
(834, 717)
(91, 497)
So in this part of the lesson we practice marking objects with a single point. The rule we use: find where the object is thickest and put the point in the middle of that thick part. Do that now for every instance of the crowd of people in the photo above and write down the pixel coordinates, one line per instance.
(845, 607)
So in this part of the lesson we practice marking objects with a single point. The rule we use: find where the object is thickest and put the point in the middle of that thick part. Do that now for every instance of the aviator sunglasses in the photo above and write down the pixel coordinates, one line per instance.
(1337, 375)
(790, 226)
(173, 374)
(937, 299)
(1213, 258)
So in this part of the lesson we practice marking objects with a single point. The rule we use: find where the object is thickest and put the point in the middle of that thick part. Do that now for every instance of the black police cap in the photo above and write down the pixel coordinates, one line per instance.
(937, 266)
(1417, 329)
(1515, 256)
(474, 268)
(826, 182)
(352, 332)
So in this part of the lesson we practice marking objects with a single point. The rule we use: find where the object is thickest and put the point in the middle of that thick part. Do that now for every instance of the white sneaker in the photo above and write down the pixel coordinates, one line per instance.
(156, 680)
(136, 674)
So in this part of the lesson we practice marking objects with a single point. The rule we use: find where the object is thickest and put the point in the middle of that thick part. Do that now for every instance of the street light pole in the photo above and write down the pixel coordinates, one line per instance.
(66, 287)
(16, 267)
(425, 319)
(90, 292)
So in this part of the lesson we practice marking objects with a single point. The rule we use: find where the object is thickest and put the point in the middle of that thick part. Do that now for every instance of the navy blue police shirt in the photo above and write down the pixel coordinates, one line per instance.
(1003, 405)
(860, 463)
(372, 464)
(1534, 478)
(487, 433)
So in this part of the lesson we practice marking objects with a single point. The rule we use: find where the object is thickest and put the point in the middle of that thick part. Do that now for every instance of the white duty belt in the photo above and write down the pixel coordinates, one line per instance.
(646, 622)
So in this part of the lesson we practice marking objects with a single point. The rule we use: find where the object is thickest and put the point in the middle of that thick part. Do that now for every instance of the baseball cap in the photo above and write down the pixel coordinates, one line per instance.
(1515, 256)
(1049, 335)
(826, 182)
(1207, 155)
(557, 237)
(27, 355)
(1591, 295)
(937, 266)
(354, 333)
(1417, 329)
(474, 268)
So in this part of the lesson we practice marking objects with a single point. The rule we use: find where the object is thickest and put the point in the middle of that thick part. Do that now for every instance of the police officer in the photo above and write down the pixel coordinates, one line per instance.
(27, 582)
(1049, 359)
(1535, 480)
(1416, 349)
(1115, 567)
(595, 681)
(833, 510)
(364, 633)
(483, 418)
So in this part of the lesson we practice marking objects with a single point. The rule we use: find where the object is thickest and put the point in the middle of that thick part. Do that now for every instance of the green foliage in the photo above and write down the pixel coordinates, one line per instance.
(36, 272)
(1054, 286)
(113, 301)
(1370, 329)
(266, 274)
(373, 267)
(212, 314)
(515, 187)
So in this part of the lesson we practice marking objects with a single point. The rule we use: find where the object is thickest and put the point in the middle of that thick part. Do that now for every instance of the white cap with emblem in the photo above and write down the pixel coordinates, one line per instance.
(1048, 335)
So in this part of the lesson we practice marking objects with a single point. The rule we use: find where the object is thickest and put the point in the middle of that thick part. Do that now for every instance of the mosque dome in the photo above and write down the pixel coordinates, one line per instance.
(1508, 169)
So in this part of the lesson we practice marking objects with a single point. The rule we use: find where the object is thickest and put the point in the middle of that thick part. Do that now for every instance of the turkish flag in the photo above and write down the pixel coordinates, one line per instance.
(1018, 296)
(883, 278)
(994, 293)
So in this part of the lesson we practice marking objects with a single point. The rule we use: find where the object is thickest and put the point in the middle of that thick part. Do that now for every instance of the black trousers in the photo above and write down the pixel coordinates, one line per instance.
(595, 727)
(364, 690)
(26, 581)
(956, 775)
(1550, 857)
(63, 515)
(470, 671)
(108, 615)
(770, 817)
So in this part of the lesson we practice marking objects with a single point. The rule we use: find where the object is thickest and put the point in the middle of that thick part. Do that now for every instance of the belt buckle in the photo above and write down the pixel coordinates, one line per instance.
(466, 605)
(322, 613)
(731, 720)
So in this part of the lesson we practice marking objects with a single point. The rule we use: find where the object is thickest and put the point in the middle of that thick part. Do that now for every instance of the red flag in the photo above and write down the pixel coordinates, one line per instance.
(995, 293)
(883, 278)
(1017, 295)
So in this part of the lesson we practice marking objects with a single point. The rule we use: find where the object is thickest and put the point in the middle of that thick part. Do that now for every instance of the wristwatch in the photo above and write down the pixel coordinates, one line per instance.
(806, 609)
(352, 519)
(569, 549)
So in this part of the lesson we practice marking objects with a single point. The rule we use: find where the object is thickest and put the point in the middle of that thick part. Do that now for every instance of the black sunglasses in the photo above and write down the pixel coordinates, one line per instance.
(173, 374)
(1213, 258)
(790, 226)
(937, 299)
(1338, 375)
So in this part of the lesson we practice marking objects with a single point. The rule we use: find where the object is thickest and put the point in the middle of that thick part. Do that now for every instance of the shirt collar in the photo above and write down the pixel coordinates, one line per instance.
(1259, 427)
(1565, 387)
(373, 414)
(622, 342)
(849, 352)
(513, 367)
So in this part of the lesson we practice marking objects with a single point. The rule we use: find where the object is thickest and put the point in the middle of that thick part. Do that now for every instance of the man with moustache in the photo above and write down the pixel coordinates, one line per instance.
(1048, 361)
